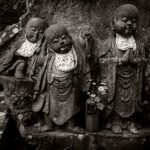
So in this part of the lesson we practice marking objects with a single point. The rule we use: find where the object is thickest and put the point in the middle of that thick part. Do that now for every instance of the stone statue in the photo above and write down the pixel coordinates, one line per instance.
(122, 61)
(65, 73)
(16, 61)
(90, 46)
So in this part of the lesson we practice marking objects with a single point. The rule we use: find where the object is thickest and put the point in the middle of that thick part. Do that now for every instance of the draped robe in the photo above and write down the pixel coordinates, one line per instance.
(124, 82)
(59, 97)
(10, 60)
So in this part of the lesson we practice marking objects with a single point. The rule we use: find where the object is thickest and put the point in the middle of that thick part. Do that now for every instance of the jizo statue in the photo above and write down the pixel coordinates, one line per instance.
(122, 61)
(18, 60)
(63, 77)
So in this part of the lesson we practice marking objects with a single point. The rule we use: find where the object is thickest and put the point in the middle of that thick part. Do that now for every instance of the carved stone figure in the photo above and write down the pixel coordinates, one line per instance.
(122, 61)
(90, 46)
(16, 61)
(65, 73)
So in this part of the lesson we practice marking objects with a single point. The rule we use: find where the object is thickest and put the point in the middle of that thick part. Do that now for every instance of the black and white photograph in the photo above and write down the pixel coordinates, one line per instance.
(74, 75)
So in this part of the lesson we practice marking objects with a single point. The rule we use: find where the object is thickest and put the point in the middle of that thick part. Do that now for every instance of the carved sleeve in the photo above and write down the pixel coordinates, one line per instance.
(103, 63)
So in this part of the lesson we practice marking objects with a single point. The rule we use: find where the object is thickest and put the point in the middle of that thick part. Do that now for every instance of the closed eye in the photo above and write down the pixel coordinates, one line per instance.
(63, 36)
(124, 19)
(33, 29)
(41, 31)
(55, 40)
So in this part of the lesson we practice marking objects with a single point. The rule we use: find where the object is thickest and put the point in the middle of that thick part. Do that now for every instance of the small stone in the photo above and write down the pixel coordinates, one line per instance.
(20, 116)
(15, 30)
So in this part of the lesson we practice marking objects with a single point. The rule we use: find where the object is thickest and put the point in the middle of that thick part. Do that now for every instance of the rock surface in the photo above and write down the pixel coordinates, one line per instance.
(96, 14)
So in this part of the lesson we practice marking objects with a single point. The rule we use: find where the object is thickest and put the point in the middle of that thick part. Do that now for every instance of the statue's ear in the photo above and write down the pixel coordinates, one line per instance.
(113, 23)
(70, 38)
(24, 29)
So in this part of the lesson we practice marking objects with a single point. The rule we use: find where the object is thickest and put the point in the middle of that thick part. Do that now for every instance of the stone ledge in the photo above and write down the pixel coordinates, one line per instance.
(103, 140)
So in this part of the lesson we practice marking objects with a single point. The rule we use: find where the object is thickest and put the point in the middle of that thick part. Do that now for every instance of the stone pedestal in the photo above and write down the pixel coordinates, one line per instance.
(18, 98)
(103, 140)
(58, 140)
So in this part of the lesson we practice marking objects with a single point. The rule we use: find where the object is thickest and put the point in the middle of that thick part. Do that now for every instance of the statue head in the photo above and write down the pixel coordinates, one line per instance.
(125, 20)
(34, 29)
(58, 39)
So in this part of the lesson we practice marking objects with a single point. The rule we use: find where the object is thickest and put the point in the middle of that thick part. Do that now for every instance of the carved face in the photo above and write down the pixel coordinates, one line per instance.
(126, 20)
(35, 29)
(58, 39)
(125, 26)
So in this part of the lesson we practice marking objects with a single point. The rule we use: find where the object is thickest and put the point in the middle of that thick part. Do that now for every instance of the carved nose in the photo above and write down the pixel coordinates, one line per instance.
(36, 33)
(61, 42)
(129, 22)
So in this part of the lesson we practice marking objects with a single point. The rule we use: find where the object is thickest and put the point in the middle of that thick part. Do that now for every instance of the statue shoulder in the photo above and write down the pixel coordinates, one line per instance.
(77, 44)
(106, 45)
(79, 49)
(18, 43)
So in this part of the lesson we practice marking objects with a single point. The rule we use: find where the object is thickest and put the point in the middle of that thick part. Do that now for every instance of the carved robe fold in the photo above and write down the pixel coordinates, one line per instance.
(124, 81)
(59, 96)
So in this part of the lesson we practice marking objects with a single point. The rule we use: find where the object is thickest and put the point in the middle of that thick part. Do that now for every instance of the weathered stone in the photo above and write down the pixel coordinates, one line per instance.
(18, 97)
(76, 16)
(103, 140)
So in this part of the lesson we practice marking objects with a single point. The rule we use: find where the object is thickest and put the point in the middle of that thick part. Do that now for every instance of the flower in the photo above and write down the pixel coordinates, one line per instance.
(89, 101)
(90, 80)
(93, 95)
(103, 92)
(103, 83)
(88, 93)
(97, 98)
(15, 30)
(101, 89)
(94, 83)
(100, 106)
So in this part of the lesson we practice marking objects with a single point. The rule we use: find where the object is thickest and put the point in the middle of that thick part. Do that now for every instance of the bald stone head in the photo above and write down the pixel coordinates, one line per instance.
(127, 10)
(125, 20)
(34, 29)
(58, 38)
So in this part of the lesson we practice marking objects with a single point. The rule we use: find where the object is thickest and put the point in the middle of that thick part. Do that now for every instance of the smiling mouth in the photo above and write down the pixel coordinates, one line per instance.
(64, 47)
(35, 36)
(129, 28)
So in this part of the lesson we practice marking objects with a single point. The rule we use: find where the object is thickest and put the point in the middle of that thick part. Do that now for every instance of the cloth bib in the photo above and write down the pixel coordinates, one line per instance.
(66, 62)
(124, 43)
(27, 49)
